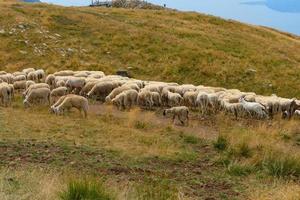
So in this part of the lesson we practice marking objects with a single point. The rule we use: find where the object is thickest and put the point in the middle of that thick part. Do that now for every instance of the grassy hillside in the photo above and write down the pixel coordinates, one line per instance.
(140, 155)
(160, 45)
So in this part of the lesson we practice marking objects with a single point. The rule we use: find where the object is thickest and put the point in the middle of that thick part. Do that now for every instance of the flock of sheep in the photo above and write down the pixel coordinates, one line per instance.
(67, 89)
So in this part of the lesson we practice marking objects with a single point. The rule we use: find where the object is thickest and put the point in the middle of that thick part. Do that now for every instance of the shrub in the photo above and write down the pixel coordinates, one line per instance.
(221, 144)
(85, 190)
(140, 125)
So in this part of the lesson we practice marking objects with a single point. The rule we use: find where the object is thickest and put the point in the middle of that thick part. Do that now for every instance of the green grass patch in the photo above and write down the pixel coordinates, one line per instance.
(87, 189)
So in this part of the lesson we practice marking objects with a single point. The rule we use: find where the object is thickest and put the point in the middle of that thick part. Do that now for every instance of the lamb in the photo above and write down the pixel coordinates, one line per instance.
(174, 99)
(145, 99)
(72, 101)
(37, 95)
(181, 112)
(254, 108)
(75, 84)
(234, 108)
(126, 99)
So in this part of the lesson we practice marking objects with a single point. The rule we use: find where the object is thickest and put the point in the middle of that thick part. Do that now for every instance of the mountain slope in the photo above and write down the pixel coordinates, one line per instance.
(154, 44)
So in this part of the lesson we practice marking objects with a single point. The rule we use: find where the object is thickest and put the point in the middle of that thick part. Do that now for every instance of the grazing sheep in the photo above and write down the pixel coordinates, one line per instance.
(234, 108)
(5, 94)
(37, 95)
(29, 83)
(19, 85)
(156, 99)
(40, 73)
(254, 108)
(60, 83)
(102, 89)
(174, 99)
(202, 101)
(72, 101)
(88, 87)
(75, 85)
(50, 80)
(35, 86)
(64, 73)
(190, 98)
(116, 92)
(145, 99)
(32, 76)
(20, 78)
(181, 112)
(58, 92)
(28, 70)
(297, 114)
(126, 99)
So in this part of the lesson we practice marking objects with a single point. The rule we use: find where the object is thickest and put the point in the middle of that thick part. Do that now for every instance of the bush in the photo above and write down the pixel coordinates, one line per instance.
(221, 144)
(190, 139)
(85, 190)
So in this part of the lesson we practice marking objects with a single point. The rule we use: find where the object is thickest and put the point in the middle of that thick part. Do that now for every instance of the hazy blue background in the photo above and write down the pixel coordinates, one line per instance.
(280, 14)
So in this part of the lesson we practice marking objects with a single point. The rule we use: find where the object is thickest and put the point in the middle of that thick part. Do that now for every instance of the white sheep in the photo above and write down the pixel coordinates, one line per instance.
(32, 76)
(202, 101)
(37, 95)
(102, 89)
(116, 92)
(72, 101)
(190, 98)
(35, 86)
(29, 83)
(145, 99)
(5, 94)
(156, 99)
(126, 99)
(75, 84)
(19, 78)
(58, 92)
(174, 99)
(254, 108)
(20, 85)
(181, 112)
(40, 73)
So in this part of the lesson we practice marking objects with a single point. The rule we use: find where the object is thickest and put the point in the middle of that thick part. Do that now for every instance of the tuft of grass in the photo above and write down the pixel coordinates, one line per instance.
(244, 150)
(280, 165)
(221, 143)
(140, 125)
(87, 189)
(237, 169)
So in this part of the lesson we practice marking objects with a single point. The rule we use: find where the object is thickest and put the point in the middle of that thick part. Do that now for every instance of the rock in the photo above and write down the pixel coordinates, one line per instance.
(251, 71)
(2, 31)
